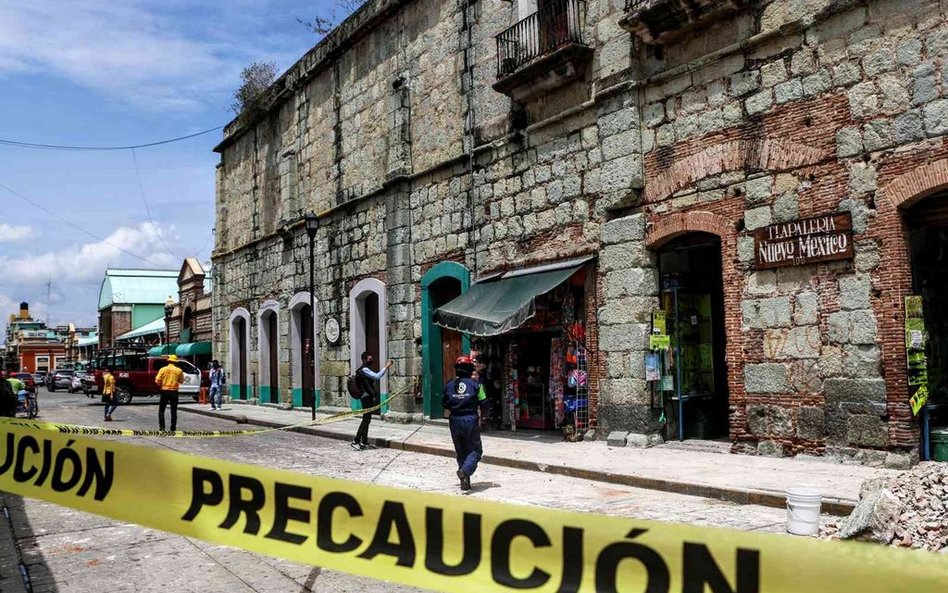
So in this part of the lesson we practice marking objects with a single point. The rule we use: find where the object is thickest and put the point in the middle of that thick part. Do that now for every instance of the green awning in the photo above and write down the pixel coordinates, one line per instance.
(498, 305)
(194, 349)
(163, 350)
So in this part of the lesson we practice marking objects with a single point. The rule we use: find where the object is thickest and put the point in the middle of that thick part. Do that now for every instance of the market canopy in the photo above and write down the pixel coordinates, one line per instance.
(163, 350)
(503, 303)
(154, 328)
(193, 349)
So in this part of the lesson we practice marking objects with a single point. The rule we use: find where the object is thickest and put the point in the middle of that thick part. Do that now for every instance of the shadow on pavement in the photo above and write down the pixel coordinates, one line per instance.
(18, 551)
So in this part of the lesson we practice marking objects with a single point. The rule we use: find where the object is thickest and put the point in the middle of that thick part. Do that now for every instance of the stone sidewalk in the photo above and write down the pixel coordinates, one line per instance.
(743, 479)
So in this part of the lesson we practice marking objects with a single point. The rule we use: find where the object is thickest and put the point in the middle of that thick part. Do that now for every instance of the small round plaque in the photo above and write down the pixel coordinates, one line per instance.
(332, 330)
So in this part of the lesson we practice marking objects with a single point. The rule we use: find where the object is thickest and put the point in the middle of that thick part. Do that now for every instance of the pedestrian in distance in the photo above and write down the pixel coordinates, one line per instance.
(367, 381)
(169, 379)
(108, 392)
(217, 385)
(462, 398)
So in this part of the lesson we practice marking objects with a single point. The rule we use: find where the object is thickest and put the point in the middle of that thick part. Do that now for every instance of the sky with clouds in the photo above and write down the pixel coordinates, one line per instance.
(106, 73)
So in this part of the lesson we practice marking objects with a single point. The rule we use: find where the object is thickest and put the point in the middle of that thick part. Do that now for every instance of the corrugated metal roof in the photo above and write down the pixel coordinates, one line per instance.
(138, 287)
(149, 329)
(91, 340)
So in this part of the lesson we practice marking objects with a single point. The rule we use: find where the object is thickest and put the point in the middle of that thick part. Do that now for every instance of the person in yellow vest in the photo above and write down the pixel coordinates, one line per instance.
(108, 391)
(169, 378)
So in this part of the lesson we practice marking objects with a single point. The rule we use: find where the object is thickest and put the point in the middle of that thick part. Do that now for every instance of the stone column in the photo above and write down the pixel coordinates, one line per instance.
(629, 288)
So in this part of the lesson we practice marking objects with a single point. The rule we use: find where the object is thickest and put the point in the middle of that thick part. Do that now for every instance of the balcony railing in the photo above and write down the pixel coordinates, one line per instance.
(557, 24)
(635, 5)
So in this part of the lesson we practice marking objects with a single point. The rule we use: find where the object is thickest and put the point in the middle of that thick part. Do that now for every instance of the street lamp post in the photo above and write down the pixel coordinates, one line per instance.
(312, 225)
(169, 307)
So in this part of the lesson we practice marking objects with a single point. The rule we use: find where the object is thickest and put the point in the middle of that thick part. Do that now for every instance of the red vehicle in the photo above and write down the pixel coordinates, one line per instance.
(28, 380)
(135, 374)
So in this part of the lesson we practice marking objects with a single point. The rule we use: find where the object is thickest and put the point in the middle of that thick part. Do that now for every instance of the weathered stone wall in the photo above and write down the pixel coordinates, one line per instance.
(790, 109)
(792, 125)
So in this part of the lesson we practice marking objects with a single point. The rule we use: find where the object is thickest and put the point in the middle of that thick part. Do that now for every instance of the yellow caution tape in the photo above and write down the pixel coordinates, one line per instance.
(77, 429)
(435, 541)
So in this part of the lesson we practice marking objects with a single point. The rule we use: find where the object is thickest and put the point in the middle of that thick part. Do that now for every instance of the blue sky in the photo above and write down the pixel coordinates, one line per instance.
(119, 72)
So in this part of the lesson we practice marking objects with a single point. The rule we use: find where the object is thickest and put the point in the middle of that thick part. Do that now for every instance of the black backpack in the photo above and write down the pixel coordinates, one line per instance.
(355, 390)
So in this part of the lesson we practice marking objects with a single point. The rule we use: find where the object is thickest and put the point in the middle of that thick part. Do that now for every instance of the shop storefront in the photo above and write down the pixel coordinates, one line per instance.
(527, 330)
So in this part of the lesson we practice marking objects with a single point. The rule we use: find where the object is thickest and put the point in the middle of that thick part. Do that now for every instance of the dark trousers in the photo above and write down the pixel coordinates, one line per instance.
(466, 434)
(362, 435)
(168, 397)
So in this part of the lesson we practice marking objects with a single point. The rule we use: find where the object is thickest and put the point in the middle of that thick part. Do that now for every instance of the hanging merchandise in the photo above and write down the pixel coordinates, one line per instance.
(557, 368)
(653, 370)
(513, 386)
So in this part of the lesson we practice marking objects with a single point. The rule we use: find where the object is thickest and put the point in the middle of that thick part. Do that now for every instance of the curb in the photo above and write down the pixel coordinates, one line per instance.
(832, 506)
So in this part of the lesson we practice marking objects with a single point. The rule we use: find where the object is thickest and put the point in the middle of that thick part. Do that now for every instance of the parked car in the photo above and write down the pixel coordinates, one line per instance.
(138, 380)
(75, 384)
(61, 379)
(40, 377)
(28, 380)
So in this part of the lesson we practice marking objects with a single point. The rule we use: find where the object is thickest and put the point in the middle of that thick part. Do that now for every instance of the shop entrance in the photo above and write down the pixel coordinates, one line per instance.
(927, 222)
(694, 386)
(445, 341)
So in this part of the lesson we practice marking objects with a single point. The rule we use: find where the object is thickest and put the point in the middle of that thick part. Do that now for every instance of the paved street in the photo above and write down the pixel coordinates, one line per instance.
(66, 550)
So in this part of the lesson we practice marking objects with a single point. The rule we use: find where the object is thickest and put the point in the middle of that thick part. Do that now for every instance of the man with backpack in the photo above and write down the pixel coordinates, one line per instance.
(364, 387)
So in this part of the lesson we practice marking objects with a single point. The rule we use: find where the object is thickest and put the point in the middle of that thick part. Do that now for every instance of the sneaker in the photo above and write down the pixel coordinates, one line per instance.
(357, 446)
(368, 446)
(465, 480)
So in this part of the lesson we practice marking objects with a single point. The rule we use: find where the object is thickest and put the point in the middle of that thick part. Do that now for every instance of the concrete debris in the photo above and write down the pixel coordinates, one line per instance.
(907, 511)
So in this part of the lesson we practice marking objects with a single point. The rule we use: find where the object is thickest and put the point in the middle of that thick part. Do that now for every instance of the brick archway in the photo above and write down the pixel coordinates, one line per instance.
(919, 183)
(669, 226)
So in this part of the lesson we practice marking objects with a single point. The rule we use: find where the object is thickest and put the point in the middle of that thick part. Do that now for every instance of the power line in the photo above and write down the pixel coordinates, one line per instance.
(151, 219)
(76, 226)
(18, 144)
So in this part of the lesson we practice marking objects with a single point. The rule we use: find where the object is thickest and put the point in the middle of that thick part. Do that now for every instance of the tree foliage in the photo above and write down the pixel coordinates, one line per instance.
(256, 79)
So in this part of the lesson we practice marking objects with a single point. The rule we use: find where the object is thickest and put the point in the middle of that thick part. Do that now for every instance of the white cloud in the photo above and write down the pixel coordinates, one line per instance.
(13, 234)
(86, 264)
(142, 51)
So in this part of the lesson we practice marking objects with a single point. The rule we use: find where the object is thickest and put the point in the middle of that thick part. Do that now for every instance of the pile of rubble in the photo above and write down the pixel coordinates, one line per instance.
(907, 511)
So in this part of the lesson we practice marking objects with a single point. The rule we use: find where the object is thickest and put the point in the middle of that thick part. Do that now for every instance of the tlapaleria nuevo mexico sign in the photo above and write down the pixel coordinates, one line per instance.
(805, 241)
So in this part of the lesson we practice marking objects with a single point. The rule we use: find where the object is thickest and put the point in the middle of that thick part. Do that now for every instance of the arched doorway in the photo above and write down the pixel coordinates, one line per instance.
(692, 297)
(927, 225)
(239, 353)
(269, 351)
(367, 322)
(303, 340)
(440, 347)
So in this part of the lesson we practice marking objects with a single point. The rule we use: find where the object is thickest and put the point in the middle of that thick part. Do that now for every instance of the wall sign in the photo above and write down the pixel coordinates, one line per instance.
(332, 330)
(804, 241)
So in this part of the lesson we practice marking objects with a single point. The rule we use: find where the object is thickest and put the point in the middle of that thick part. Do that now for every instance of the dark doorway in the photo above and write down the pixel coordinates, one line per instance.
(443, 291)
(695, 397)
(240, 327)
(372, 328)
(927, 223)
(306, 348)
(273, 355)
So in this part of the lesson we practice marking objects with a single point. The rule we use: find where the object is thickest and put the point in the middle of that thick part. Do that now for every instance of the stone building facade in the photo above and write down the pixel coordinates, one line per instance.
(656, 136)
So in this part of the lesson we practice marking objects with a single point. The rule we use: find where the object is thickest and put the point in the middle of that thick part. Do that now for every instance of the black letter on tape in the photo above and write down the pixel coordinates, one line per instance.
(434, 544)
(500, 553)
(284, 513)
(607, 565)
(572, 560)
(327, 505)
(199, 498)
(699, 568)
(250, 507)
(392, 515)
(19, 474)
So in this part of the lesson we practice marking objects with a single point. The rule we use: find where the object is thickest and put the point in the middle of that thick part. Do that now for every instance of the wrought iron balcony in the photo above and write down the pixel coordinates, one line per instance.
(549, 41)
(660, 21)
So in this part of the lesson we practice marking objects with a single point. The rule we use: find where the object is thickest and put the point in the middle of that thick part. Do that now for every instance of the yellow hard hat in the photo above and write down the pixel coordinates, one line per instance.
(173, 358)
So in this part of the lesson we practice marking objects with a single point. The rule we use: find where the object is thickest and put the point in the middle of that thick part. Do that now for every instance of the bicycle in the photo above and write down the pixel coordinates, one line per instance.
(27, 403)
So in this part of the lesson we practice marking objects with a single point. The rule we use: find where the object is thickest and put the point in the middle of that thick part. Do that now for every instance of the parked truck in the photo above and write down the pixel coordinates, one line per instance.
(135, 374)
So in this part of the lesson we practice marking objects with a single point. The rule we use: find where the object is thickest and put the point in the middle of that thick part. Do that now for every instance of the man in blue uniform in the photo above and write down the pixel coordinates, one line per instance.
(461, 398)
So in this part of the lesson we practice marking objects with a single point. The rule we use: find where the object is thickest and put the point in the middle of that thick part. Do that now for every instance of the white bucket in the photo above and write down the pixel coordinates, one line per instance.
(803, 510)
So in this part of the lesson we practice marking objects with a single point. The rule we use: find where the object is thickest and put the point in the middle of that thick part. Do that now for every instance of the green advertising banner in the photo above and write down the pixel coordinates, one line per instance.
(915, 339)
